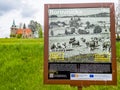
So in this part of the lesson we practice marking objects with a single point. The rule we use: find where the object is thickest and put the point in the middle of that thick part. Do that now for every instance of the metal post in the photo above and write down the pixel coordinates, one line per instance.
(79, 88)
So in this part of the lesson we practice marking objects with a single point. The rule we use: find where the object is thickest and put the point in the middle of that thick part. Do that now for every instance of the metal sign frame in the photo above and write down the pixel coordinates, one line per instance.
(79, 82)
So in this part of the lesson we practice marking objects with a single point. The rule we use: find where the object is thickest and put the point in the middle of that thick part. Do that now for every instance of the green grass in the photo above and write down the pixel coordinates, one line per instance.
(21, 66)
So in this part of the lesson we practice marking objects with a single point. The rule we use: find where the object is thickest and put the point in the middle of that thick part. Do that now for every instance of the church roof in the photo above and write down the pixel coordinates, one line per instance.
(26, 31)
(19, 31)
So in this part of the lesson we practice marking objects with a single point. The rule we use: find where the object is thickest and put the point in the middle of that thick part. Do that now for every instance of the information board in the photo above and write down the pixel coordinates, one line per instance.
(79, 44)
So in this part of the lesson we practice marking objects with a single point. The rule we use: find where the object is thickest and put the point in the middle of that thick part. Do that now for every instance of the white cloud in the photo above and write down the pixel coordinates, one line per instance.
(78, 1)
(27, 11)
(8, 5)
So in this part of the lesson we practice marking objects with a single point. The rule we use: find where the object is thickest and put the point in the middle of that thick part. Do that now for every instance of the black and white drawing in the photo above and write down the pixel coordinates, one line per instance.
(80, 32)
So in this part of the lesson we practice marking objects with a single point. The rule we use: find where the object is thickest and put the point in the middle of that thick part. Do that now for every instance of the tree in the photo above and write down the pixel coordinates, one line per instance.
(12, 35)
(40, 32)
(19, 36)
(66, 32)
(72, 30)
(97, 29)
(118, 36)
(35, 27)
(88, 24)
(52, 34)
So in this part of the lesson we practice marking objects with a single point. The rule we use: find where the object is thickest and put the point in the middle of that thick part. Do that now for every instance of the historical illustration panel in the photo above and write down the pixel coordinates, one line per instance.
(79, 35)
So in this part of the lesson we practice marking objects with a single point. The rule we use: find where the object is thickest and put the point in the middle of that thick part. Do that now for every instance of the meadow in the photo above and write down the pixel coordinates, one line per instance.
(21, 66)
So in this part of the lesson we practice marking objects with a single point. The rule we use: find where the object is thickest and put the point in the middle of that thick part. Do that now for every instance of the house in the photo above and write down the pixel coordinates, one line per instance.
(21, 32)
(25, 33)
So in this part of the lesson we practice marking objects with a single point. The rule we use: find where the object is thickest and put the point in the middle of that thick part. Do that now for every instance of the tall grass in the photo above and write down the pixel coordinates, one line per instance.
(21, 67)
(21, 64)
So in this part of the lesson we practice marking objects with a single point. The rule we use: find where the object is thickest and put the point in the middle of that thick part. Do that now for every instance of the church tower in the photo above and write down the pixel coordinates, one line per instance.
(13, 29)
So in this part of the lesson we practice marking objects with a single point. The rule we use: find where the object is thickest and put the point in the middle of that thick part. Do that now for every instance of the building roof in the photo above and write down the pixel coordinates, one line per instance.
(19, 31)
(26, 31)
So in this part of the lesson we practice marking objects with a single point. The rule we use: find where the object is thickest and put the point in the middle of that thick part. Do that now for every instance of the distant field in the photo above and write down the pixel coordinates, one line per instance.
(21, 66)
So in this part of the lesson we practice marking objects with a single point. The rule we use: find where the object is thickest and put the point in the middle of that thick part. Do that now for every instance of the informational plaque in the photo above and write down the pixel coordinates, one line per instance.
(80, 44)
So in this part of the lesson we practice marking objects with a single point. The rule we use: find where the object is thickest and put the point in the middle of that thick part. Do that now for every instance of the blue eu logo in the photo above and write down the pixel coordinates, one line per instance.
(72, 75)
(91, 76)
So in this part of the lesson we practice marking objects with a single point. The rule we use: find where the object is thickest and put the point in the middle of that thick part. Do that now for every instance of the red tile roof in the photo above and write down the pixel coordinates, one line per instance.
(26, 31)
(19, 31)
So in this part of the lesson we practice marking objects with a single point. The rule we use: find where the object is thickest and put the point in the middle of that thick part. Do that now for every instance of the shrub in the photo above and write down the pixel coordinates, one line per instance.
(19, 36)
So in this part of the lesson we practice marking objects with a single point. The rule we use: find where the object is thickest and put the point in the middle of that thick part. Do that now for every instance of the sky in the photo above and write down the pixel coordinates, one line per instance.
(22, 11)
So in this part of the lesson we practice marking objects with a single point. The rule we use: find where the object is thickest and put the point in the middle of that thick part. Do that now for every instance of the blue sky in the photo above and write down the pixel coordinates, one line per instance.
(22, 11)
